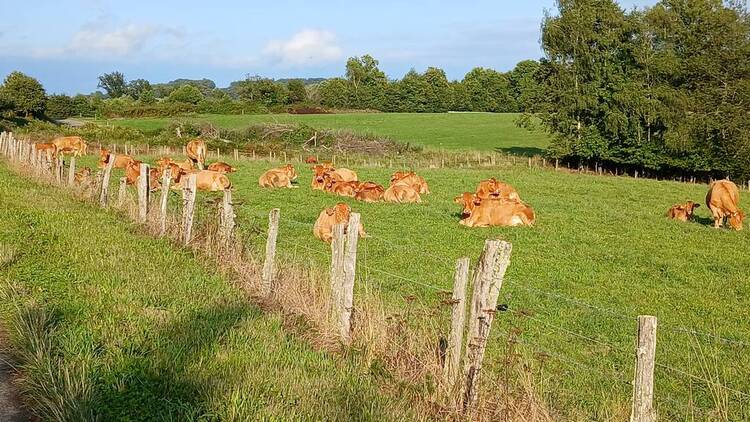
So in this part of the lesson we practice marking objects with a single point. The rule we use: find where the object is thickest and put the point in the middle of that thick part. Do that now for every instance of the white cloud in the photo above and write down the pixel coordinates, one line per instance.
(306, 47)
(119, 42)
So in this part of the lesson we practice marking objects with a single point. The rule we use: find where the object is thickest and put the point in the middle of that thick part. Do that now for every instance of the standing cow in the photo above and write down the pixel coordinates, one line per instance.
(196, 152)
(723, 199)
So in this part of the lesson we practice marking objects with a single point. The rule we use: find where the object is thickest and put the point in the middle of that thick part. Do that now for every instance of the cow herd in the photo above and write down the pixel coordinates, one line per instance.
(493, 203)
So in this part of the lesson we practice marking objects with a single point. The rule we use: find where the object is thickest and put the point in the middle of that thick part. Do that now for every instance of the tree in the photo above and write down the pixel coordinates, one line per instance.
(297, 92)
(335, 93)
(113, 83)
(186, 94)
(525, 85)
(137, 87)
(60, 106)
(25, 93)
(367, 82)
(489, 90)
(82, 106)
(261, 90)
(147, 97)
(438, 93)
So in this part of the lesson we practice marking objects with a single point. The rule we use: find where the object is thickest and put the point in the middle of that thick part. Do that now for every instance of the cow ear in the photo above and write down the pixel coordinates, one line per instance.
(330, 211)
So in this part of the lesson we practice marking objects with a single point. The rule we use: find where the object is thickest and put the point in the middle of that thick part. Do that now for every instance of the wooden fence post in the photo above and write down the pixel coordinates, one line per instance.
(487, 280)
(226, 218)
(143, 191)
(166, 179)
(188, 207)
(346, 307)
(122, 191)
(58, 168)
(236, 154)
(643, 381)
(104, 195)
(337, 268)
(458, 322)
(269, 268)
(72, 171)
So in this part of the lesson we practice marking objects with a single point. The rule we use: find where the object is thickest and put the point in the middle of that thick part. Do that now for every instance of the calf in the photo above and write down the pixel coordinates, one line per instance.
(221, 167)
(205, 180)
(496, 212)
(281, 177)
(493, 188)
(121, 160)
(412, 179)
(723, 199)
(329, 217)
(401, 193)
(682, 212)
(369, 192)
(49, 150)
(82, 175)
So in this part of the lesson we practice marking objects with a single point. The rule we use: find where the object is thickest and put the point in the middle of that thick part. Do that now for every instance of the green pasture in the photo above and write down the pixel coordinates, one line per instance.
(453, 131)
(601, 253)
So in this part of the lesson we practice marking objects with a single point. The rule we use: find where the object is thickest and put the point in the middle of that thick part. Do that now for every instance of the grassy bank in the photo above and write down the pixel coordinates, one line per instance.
(453, 131)
(110, 324)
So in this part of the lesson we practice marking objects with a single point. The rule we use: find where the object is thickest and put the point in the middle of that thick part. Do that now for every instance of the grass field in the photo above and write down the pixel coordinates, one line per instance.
(120, 326)
(454, 131)
(601, 253)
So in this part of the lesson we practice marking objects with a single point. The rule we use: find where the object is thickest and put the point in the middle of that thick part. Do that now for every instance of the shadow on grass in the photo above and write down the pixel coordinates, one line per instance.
(522, 151)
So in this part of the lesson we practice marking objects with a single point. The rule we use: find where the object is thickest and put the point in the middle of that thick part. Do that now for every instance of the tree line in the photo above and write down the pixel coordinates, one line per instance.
(364, 86)
(666, 88)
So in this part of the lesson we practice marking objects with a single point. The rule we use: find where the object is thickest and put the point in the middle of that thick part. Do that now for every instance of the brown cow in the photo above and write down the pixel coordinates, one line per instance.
(329, 217)
(72, 144)
(723, 199)
(496, 212)
(311, 160)
(369, 192)
(221, 167)
(49, 150)
(121, 160)
(412, 179)
(196, 152)
(281, 177)
(494, 189)
(133, 171)
(206, 180)
(338, 187)
(468, 202)
(401, 193)
(682, 212)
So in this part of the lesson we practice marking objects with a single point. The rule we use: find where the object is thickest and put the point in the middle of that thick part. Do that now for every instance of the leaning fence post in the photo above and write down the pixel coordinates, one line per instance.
(226, 218)
(143, 190)
(346, 307)
(59, 168)
(166, 178)
(188, 208)
(72, 170)
(643, 381)
(458, 322)
(104, 195)
(488, 279)
(337, 267)
(269, 269)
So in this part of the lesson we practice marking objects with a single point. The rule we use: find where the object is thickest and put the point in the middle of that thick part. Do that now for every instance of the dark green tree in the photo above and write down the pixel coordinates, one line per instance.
(186, 94)
(25, 93)
(297, 91)
(60, 106)
(113, 84)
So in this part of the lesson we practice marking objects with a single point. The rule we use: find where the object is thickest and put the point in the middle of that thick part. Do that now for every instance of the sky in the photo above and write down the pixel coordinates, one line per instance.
(67, 44)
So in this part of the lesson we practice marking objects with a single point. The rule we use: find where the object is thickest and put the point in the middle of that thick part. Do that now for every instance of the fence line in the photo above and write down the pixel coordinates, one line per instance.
(17, 145)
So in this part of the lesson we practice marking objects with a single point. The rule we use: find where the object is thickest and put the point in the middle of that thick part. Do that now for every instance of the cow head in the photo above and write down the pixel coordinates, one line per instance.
(468, 202)
(163, 162)
(400, 175)
(103, 158)
(291, 172)
(736, 218)
(690, 207)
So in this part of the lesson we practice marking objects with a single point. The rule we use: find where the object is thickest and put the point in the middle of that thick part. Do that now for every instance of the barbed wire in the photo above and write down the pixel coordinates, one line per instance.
(699, 378)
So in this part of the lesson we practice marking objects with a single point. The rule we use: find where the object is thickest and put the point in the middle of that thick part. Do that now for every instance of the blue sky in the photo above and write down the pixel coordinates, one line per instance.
(66, 44)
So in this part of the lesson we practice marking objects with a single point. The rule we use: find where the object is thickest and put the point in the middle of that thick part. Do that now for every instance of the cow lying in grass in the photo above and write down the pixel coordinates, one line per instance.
(281, 177)
(121, 160)
(494, 204)
(329, 217)
(411, 178)
(205, 180)
(323, 173)
(133, 171)
(221, 167)
(401, 193)
(723, 199)
(683, 212)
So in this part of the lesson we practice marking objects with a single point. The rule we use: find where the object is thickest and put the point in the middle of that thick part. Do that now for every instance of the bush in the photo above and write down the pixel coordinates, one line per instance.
(60, 107)
(186, 94)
